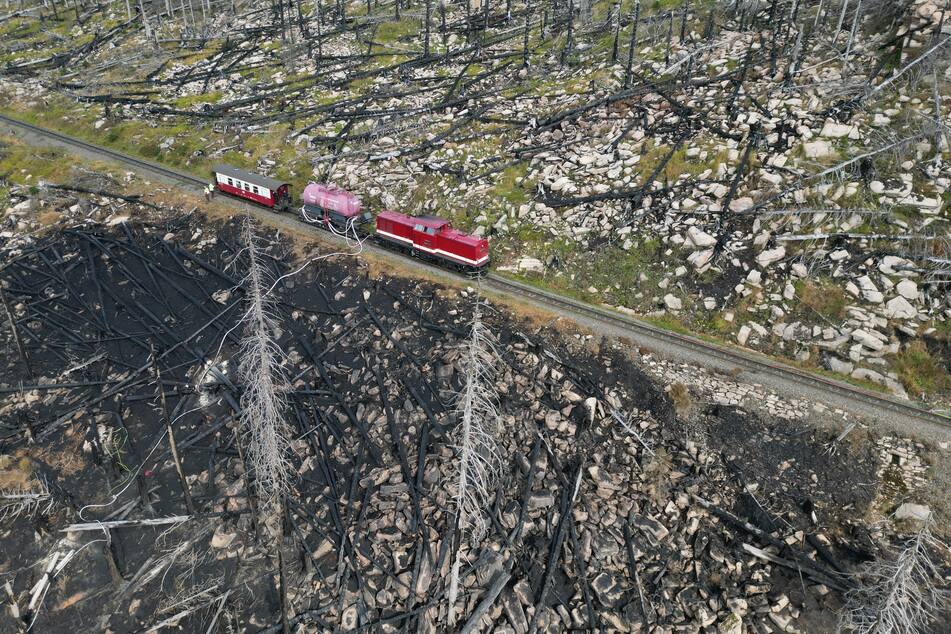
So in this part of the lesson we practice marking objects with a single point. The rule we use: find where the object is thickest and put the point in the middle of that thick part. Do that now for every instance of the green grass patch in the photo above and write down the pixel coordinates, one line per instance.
(507, 187)
(188, 101)
(390, 32)
(25, 165)
(921, 373)
(823, 297)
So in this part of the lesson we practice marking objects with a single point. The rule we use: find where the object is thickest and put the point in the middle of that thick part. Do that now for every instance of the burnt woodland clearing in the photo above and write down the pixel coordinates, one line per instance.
(606, 514)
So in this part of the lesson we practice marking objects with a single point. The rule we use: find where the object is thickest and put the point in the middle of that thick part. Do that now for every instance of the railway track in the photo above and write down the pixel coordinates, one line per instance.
(779, 376)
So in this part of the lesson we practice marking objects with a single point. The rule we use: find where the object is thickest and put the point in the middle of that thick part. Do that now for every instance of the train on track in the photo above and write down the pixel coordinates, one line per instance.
(341, 212)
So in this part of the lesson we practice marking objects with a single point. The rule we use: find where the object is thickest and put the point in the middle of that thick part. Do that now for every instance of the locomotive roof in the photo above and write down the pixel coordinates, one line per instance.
(430, 221)
(426, 221)
(463, 238)
(248, 177)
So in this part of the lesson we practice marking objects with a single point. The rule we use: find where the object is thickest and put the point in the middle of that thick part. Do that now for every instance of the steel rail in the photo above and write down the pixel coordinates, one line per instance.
(746, 360)
(553, 301)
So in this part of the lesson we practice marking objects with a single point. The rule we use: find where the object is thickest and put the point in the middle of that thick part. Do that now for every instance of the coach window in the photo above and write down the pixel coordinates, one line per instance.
(255, 188)
(247, 187)
(230, 182)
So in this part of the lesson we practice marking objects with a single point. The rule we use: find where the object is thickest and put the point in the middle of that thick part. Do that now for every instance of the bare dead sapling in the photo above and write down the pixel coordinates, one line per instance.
(26, 501)
(476, 441)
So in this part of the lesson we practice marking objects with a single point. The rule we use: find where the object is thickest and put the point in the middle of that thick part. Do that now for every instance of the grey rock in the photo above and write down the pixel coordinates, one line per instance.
(530, 265)
(910, 511)
(514, 612)
(650, 526)
(899, 308)
(732, 624)
(699, 239)
(907, 289)
(891, 264)
(838, 365)
(770, 256)
(540, 501)
(607, 589)
(523, 592)
(868, 340)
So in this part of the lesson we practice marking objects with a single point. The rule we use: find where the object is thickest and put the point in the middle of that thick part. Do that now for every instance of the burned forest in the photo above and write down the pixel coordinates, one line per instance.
(216, 418)
(210, 426)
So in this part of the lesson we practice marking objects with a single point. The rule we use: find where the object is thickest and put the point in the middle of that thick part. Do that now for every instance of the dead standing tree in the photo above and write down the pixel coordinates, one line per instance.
(635, 18)
(265, 386)
(263, 405)
(478, 458)
(899, 593)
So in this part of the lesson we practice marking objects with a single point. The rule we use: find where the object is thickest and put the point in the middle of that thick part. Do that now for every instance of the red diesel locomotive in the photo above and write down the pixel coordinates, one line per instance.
(340, 211)
(433, 238)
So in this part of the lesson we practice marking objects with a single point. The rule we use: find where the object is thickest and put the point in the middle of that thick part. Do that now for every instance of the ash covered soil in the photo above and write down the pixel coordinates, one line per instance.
(608, 516)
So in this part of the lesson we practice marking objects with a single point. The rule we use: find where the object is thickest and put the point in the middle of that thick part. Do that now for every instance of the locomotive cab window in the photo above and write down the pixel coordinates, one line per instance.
(430, 231)
(419, 228)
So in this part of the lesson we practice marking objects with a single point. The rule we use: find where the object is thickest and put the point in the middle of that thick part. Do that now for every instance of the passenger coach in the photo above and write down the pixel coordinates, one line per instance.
(260, 189)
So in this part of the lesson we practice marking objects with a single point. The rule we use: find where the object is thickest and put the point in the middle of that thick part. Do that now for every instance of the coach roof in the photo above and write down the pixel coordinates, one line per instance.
(248, 177)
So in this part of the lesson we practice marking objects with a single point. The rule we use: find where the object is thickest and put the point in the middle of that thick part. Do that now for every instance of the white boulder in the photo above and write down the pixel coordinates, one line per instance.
(531, 265)
(868, 340)
(909, 511)
(834, 130)
(838, 365)
(907, 289)
(769, 256)
(870, 292)
(891, 264)
(817, 149)
(743, 334)
(700, 259)
(699, 239)
(899, 308)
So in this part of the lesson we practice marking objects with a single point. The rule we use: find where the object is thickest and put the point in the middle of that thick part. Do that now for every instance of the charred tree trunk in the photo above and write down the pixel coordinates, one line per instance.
(683, 21)
(738, 83)
(429, 4)
(566, 51)
(855, 26)
(633, 44)
(442, 27)
(485, 23)
(838, 27)
(616, 13)
(670, 37)
(16, 333)
(528, 22)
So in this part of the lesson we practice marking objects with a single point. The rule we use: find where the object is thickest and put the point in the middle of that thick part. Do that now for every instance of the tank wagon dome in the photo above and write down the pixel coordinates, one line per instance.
(331, 198)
